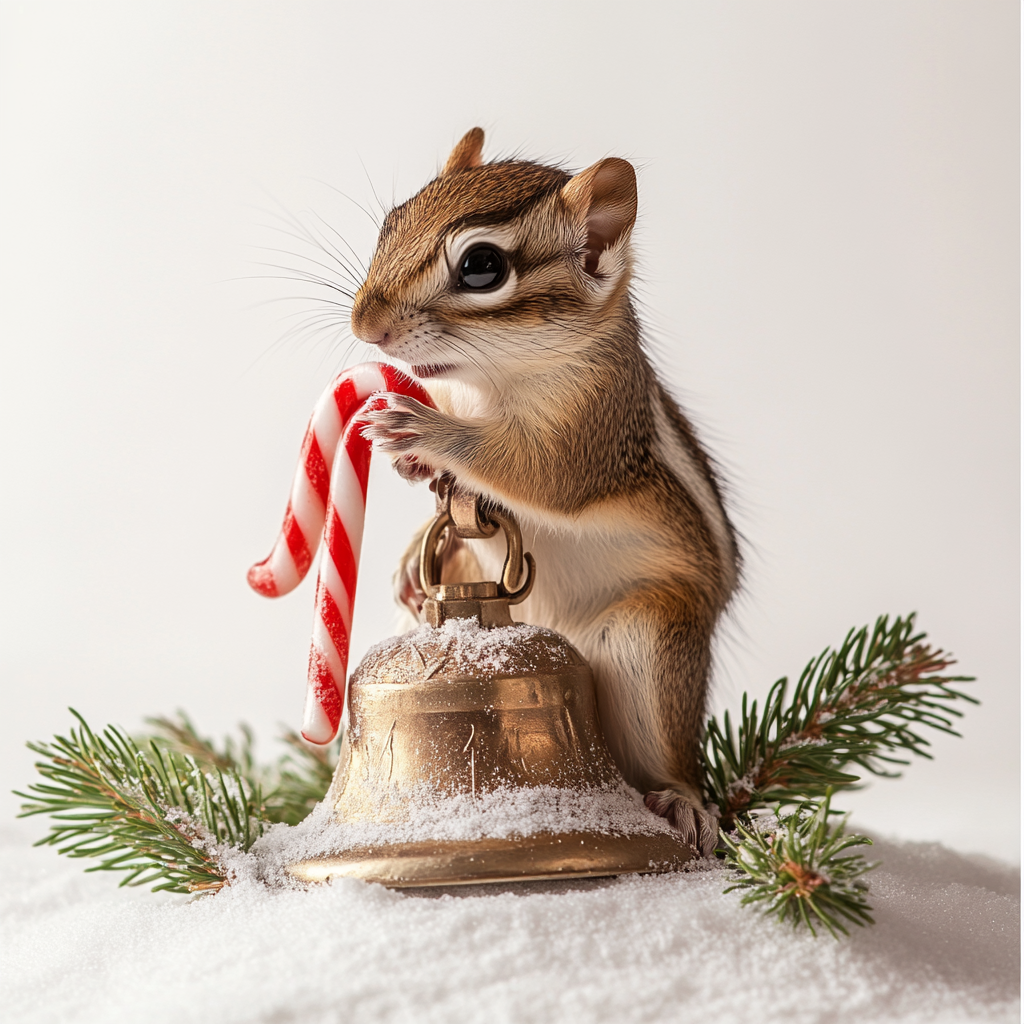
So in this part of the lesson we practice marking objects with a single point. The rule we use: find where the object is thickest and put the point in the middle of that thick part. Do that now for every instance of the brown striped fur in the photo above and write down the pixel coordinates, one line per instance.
(548, 405)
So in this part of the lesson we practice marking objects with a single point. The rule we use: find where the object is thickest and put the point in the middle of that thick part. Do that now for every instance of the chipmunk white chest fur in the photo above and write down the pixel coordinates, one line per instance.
(505, 287)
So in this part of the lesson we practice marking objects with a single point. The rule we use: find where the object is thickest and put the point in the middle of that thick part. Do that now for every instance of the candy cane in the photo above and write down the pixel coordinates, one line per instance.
(332, 503)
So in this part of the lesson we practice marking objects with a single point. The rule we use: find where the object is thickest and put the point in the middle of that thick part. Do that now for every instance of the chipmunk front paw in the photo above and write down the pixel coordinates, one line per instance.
(697, 825)
(404, 427)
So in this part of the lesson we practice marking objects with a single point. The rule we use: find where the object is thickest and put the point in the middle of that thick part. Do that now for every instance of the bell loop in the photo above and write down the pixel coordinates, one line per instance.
(467, 515)
(469, 511)
(513, 584)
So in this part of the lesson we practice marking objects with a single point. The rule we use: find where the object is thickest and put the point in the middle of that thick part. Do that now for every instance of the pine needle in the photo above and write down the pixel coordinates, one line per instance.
(799, 870)
(180, 734)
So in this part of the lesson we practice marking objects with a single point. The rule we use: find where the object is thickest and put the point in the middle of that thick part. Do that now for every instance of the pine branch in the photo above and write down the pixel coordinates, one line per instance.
(180, 734)
(292, 787)
(799, 870)
(858, 706)
(158, 814)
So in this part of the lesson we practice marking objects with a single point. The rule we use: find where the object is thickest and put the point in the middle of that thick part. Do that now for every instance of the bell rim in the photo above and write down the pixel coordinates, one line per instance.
(541, 857)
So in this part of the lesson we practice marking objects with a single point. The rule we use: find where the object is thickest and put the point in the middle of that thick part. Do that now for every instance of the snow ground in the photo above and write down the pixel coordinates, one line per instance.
(669, 948)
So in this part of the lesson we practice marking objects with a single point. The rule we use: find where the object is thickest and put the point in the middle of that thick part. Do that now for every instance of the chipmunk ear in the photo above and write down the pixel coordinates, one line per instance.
(467, 152)
(604, 197)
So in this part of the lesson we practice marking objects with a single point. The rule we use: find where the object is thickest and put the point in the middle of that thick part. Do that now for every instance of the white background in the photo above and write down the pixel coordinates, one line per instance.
(828, 241)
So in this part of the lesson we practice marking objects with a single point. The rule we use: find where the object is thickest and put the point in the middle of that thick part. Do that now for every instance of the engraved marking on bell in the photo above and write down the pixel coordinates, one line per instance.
(438, 665)
(472, 759)
(366, 762)
(574, 743)
(389, 748)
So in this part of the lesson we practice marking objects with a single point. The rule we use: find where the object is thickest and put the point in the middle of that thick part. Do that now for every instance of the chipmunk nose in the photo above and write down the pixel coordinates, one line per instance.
(371, 318)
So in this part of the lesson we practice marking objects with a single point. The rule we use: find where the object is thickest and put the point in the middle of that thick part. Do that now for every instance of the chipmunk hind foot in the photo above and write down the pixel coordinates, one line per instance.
(697, 825)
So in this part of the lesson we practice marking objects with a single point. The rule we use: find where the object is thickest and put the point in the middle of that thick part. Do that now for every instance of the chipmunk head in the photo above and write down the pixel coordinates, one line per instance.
(497, 270)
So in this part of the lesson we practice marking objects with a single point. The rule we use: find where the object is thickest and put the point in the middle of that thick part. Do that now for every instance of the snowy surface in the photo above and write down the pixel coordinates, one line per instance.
(669, 948)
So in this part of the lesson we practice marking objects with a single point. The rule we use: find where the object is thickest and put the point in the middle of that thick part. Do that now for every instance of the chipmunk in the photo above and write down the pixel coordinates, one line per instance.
(505, 287)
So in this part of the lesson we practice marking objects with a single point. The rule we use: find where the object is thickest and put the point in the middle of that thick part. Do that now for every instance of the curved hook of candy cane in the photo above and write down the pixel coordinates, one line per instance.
(292, 555)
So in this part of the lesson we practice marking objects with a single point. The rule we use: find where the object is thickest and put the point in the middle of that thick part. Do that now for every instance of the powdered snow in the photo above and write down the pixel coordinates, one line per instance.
(656, 948)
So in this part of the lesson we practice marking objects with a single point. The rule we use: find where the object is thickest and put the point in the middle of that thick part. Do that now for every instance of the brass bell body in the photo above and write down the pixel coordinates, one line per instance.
(491, 717)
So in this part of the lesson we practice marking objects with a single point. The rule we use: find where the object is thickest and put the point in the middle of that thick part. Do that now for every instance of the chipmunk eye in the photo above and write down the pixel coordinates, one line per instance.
(483, 267)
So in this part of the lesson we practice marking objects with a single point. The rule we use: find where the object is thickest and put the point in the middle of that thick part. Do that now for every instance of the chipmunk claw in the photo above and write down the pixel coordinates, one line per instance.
(410, 468)
(395, 428)
(697, 825)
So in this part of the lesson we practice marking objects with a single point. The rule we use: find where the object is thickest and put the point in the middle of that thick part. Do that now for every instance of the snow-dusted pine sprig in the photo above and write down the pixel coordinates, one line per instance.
(157, 814)
(291, 788)
(859, 705)
(233, 755)
(798, 869)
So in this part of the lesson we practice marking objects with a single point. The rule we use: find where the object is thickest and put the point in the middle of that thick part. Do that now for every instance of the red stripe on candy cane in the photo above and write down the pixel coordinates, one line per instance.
(334, 623)
(323, 701)
(302, 557)
(339, 547)
(330, 503)
(317, 471)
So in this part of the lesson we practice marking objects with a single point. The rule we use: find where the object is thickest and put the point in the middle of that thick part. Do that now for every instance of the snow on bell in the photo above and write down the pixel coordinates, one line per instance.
(473, 751)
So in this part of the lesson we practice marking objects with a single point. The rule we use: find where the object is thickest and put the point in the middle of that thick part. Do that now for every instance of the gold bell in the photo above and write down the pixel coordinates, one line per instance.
(473, 751)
